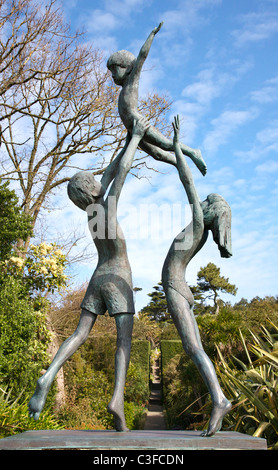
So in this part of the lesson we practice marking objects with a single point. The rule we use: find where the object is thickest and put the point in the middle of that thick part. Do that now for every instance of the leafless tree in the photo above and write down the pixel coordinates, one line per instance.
(25, 28)
(58, 106)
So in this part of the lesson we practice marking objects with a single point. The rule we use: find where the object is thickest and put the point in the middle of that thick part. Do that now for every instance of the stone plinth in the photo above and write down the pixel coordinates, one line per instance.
(133, 440)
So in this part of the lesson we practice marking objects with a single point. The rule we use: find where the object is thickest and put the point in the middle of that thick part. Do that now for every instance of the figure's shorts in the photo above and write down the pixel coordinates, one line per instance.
(109, 292)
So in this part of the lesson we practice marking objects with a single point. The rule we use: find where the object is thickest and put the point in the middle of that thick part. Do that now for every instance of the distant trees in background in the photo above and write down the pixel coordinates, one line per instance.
(210, 284)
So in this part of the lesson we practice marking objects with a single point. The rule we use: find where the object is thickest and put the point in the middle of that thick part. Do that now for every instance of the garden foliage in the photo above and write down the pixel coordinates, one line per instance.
(247, 368)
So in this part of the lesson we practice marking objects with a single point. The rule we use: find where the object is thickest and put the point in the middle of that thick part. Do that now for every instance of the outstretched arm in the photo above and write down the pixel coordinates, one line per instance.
(111, 170)
(139, 129)
(182, 166)
(186, 176)
(143, 54)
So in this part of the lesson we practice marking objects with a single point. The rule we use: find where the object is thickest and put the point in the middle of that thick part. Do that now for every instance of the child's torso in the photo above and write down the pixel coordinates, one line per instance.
(128, 105)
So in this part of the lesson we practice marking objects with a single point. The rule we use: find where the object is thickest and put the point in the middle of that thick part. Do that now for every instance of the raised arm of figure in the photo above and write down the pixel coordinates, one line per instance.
(139, 129)
(186, 177)
(111, 170)
(143, 54)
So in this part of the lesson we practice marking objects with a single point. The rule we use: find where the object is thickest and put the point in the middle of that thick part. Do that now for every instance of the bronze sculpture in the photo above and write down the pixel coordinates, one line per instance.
(126, 70)
(213, 214)
(110, 287)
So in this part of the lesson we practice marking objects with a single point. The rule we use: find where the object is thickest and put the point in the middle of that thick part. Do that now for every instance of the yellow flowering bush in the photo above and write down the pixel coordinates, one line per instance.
(42, 269)
(16, 261)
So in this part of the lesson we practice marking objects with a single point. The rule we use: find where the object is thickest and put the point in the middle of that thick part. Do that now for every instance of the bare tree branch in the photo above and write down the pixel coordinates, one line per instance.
(58, 107)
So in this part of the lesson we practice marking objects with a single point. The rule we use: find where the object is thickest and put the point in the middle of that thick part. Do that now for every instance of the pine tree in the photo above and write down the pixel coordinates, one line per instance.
(157, 308)
(210, 283)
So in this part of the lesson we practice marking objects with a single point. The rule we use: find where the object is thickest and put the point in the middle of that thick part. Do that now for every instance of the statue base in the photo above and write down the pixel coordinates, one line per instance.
(134, 440)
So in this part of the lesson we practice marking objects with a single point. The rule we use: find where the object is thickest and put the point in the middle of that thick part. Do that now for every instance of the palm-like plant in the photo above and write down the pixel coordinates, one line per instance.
(253, 386)
(14, 416)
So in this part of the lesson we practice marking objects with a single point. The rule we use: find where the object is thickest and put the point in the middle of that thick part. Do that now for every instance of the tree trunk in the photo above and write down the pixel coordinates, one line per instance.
(215, 300)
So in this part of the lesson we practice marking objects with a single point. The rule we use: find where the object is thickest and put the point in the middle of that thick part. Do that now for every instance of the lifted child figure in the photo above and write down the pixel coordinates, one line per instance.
(126, 70)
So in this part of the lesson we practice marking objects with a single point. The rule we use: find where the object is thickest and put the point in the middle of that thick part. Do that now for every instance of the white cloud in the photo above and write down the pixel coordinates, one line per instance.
(100, 21)
(268, 93)
(187, 15)
(256, 27)
(102, 25)
(268, 136)
(268, 167)
(197, 98)
(183, 17)
(208, 86)
(124, 7)
(265, 142)
(111, 17)
(223, 128)
(253, 251)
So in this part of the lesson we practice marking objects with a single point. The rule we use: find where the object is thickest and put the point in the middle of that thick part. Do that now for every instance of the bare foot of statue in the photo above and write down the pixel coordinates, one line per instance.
(37, 401)
(119, 418)
(217, 415)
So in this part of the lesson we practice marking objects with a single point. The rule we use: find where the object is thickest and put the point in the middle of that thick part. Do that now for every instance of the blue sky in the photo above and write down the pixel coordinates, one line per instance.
(217, 61)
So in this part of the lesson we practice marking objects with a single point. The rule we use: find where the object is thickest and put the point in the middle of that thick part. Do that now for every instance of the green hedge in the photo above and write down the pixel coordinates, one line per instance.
(101, 354)
(90, 376)
(169, 349)
(140, 357)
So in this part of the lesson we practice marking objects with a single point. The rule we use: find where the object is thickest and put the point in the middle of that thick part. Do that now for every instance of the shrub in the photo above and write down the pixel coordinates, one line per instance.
(184, 392)
(137, 385)
(169, 349)
(79, 414)
(89, 377)
(90, 388)
(252, 387)
(23, 339)
(14, 417)
(139, 370)
(222, 330)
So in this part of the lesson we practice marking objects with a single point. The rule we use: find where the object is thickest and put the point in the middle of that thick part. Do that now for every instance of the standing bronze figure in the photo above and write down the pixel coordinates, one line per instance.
(213, 214)
(110, 287)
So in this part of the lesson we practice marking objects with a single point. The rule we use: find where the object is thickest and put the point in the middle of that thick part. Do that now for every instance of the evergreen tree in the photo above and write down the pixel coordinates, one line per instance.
(157, 309)
(15, 224)
(210, 283)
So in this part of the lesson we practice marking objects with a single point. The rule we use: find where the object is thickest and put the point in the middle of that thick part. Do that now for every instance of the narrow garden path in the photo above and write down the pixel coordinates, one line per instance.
(155, 418)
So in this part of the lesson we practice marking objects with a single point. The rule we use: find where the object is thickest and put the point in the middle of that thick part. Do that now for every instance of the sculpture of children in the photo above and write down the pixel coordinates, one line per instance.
(110, 287)
(126, 70)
